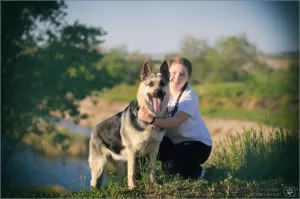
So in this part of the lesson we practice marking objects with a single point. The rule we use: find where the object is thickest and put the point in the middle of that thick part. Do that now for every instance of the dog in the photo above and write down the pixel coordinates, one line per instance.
(123, 137)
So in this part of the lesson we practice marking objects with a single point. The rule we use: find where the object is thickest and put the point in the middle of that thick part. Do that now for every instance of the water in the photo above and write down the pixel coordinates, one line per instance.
(26, 167)
(71, 126)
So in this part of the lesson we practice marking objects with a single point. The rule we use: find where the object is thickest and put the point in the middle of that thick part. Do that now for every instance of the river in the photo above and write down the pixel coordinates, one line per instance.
(26, 167)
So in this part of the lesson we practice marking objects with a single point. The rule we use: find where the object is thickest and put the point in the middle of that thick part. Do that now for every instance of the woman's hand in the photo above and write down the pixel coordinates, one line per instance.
(144, 115)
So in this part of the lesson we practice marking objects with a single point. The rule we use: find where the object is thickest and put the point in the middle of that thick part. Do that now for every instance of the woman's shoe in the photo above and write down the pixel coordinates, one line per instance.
(202, 174)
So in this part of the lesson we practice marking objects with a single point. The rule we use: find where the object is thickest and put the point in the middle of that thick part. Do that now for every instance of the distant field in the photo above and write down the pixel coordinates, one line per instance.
(225, 100)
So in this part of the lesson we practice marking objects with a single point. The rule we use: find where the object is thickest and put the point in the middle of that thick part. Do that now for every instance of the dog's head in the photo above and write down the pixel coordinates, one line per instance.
(154, 92)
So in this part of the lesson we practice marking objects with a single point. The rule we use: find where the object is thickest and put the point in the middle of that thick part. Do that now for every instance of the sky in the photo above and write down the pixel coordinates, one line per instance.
(156, 27)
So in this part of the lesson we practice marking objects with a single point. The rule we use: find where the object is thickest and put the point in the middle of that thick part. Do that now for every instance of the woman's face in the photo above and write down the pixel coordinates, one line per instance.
(179, 76)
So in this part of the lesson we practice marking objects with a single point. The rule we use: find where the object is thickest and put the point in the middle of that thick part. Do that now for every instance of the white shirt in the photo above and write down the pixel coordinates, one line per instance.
(193, 128)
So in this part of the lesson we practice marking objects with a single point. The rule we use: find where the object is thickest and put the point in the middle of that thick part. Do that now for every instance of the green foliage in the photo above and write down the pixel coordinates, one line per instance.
(230, 59)
(118, 68)
(39, 79)
(278, 90)
(275, 84)
(254, 156)
(206, 66)
(291, 82)
(171, 55)
(235, 53)
(18, 20)
(191, 46)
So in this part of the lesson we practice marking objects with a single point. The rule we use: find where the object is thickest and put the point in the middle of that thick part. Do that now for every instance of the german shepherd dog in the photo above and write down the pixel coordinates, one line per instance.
(123, 137)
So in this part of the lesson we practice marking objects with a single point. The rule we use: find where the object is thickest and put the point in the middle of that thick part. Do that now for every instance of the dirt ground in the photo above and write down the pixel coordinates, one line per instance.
(219, 128)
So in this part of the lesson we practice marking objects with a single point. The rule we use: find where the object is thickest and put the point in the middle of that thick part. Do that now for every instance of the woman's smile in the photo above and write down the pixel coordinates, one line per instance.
(179, 76)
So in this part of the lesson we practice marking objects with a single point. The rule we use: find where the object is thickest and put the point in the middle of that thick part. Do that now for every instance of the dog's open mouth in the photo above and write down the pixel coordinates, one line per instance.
(156, 102)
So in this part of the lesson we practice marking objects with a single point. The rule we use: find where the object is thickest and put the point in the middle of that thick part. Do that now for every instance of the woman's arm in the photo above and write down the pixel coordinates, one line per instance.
(173, 122)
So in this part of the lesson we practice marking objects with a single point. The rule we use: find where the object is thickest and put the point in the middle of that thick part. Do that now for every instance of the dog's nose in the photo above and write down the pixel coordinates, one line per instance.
(158, 93)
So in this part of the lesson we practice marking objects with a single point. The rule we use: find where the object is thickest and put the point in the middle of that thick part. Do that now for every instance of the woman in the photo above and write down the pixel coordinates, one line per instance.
(187, 142)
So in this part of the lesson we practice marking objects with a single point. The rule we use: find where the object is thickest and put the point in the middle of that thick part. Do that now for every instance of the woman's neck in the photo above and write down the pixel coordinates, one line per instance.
(174, 92)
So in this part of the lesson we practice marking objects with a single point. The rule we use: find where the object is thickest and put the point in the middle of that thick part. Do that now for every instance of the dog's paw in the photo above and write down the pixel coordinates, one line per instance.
(93, 185)
(131, 186)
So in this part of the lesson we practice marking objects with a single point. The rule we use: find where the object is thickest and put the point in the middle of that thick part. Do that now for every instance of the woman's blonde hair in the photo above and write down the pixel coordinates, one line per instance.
(183, 61)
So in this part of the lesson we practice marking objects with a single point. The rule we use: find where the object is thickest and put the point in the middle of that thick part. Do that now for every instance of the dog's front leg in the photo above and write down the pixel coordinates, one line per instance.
(153, 157)
(131, 168)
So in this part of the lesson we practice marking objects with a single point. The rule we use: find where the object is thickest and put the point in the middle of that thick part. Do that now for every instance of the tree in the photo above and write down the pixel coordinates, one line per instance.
(39, 79)
(169, 56)
(115, 64)
(230, 59)
(191, 47)
(19, 19)
(236, 52)
(206, 66)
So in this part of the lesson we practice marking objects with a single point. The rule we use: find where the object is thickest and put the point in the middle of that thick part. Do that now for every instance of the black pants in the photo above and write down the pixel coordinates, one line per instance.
(183, 158)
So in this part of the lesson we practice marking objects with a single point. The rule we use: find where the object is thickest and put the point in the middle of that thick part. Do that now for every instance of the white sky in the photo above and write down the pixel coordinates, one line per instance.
(156, 27)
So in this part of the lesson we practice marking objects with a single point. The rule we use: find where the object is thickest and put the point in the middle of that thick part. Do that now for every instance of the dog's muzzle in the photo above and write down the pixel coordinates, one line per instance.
(157, 99)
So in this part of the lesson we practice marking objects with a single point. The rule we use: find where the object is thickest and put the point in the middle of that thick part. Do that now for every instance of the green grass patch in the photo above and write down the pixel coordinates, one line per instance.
(275, 84)
(183, 188)
(277, 118)
(248, 165)
(122, 92)
(228, 90)
(256, 156)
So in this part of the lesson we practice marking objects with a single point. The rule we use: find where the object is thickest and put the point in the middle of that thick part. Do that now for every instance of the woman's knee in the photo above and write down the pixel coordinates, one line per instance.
(166, 150)
(169, 167)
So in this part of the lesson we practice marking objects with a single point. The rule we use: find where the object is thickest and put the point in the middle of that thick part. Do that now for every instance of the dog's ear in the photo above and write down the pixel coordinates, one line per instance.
(164, 70)
(145, 70)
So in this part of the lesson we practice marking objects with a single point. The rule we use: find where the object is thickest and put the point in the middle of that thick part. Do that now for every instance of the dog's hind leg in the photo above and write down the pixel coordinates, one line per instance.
(104, 179)
(97, 165)
(120, 167)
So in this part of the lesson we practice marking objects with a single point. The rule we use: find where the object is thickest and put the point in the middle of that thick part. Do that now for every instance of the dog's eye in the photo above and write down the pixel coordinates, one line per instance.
(162, 83)
(151, 84)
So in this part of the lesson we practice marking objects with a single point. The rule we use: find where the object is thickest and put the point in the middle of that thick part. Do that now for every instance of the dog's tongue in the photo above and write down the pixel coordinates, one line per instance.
(156, 104)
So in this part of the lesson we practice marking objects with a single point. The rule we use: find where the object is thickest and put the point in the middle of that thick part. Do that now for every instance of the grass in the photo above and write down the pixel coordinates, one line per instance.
(248, 165)
(230, 89)
(121, 92)
(277, 118)
(179, 188)
(255, 156)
